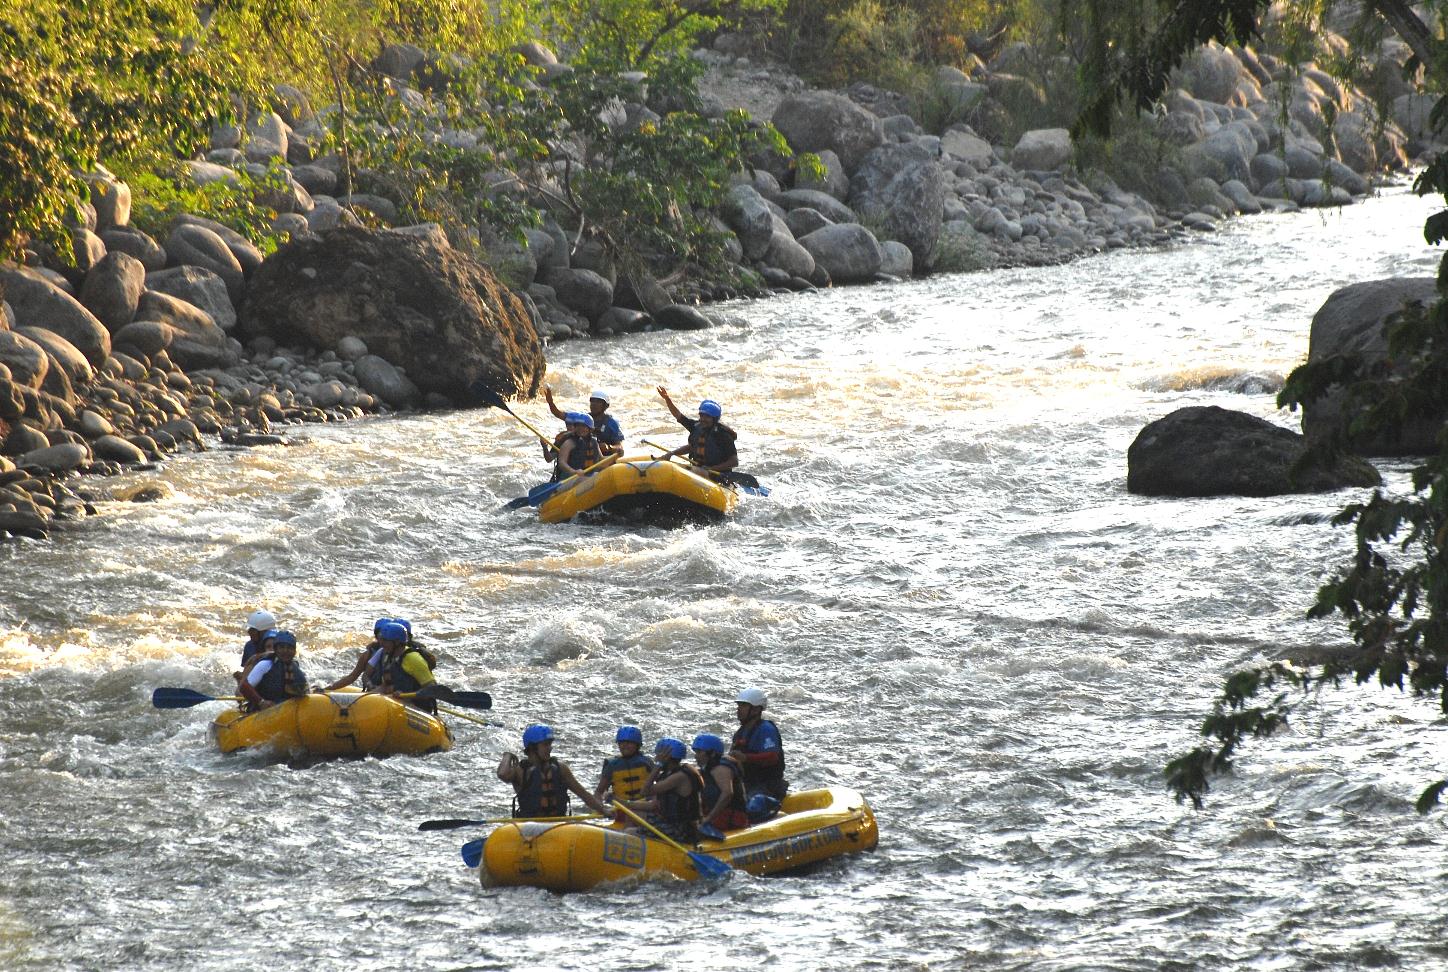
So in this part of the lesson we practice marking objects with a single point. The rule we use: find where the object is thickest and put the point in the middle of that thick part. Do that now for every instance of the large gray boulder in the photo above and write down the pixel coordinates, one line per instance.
(834, 180)
(198, 287)
(55, 459)
(746, 212)
(62, 353)
(129, 240)
(111, 199)
(39, 303)
(26, 360)
(1354, 322)
(241, 248)
(848, 251)
(815, 120)
(145, 338)
(900, 189)
(1211, 451)
(1212, 74)
(378, 377)
(427, 307)
(197, 246)
(896, 259)
(1043, 149)
(584, 291)
(785, 252)
(821, 202)
(1230, 150)
(113, 288)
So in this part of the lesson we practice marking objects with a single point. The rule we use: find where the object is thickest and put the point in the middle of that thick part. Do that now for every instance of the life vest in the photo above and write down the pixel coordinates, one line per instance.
(733, 816)
(250, 650)
(679, 812)
(273, 685)
(585, 453)
(770, 779)
(542, 792)
(401, 679)
(627, 775)
(372, 674)
(711, 446)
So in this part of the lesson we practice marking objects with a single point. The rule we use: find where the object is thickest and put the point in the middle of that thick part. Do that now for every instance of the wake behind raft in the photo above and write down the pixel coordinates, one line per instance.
(812, 826)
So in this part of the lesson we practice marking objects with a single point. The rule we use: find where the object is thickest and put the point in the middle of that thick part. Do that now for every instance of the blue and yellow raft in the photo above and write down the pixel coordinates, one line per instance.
(641, 488)
(334, 724)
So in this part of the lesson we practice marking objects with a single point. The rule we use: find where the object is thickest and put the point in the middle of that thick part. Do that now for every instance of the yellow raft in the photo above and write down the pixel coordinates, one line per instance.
(643, 488)
(813, 826)
(334, 725)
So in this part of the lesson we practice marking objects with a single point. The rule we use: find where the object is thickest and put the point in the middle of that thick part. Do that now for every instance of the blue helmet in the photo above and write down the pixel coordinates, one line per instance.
(536, 734)
(405, 624)
(629, 734)
(270, 634)
(585, 420)
(378, 625)
(711, 408)
(674, 746)
(707, 742)
(284, 638)
(761, 806)
(572, 418)
(392, 631)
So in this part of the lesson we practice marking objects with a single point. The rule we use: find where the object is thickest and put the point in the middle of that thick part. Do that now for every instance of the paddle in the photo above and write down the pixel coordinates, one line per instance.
(441, 693)
(473, 852)
(708, 867)
(453, 823)
(180, 698)
(492, 399)
(541, 492)
(733, 477)
(463, 715)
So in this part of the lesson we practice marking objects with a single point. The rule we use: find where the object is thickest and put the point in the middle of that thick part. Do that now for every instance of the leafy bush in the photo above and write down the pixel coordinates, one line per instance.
(156, 200)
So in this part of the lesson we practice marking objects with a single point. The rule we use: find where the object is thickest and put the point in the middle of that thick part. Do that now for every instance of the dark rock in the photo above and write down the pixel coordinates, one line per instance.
(145, 337)
(26, 360)
(847, 251)
(23, 439)
(815, 120)
(1353, 322)
(22, 523)
(112, 448)
(38, 303)
(822, 202)
(1211, 451)
(198, 287)
(55, 458)
(380, 378)
(197, 246)
(432, 310)
(113, 288)
(902, 189)
(133, 242)
(63, 354)
(680, 317)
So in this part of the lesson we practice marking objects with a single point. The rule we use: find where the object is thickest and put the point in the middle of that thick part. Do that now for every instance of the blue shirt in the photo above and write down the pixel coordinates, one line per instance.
(608, 431)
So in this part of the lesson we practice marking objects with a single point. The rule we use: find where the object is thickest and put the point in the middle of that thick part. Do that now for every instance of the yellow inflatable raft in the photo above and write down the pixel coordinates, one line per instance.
(812, 826)
(334, 725)
(644, 488)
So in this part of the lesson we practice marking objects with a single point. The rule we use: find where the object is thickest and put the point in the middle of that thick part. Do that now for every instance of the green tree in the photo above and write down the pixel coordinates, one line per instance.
(1394, 592)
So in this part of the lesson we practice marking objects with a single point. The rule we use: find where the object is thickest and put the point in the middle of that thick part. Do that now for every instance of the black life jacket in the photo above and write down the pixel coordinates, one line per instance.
(770, 779)
(250, 650)
(627, 775)
(542, 792)
(585, 452)
(401, 679)
(681, 812)
(734, 815)
(273, 685)
(711, 446)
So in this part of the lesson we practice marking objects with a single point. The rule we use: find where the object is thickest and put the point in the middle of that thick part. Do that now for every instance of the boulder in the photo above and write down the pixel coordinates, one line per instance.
(896, 259)
(184, 317)
(113, 289)
(197, 246)
(746, 212)
(622, 320)
(1212, 73)
(56, 458)
(822, 202)
(584, 291)
(39, 303)
(22, 439)
(379, 377)
(433, 310)
(206, 173)
(785, 252)
(900, 190)
(812, 121)
(145, 337)
(847, 251)
(26, 360)
(315, 179)
(802, 222)
(198, 287)
(131, 241)
(1353, 322)
(241, 248)
(681, 317)
(961, 142)
(834, 180)
(62, 353)
(111, 199)
(1211, 451)
(1042, 149)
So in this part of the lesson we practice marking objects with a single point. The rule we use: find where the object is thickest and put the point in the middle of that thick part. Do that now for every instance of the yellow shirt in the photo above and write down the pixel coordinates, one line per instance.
(415, 665)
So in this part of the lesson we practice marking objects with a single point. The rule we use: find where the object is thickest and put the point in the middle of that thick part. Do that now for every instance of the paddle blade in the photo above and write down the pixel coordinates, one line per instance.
(709, 868)
(755, 490)
(473, 852)
(518, 504)
(740, 479)
(450, 823)
(487, 395)
(178, 698)
(465, 700)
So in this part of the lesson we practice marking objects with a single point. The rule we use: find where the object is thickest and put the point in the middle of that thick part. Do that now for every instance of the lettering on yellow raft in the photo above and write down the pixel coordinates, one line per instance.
(625, 850)
(786, 847)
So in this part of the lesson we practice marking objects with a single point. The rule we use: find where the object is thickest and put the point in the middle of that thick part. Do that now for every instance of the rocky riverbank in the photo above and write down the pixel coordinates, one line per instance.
(139, 346)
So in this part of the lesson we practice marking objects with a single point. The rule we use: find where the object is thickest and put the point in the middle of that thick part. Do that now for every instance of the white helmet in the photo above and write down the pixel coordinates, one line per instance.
(601, 395)
(261, 620)
(753, 696)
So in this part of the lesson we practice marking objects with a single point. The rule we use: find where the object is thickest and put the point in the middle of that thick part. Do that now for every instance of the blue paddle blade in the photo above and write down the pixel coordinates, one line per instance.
(710, 868)
(473, 852)
(178, 698)
(755, 490)
(535, 496)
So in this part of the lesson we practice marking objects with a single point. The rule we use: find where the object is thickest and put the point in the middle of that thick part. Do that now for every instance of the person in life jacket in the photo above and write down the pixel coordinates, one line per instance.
(711, 443)
(404, 668)
(673, 796)
(723, 796)
(368, 663)
(541, 782)
(275, 677)
(578, 449)
(605, 427)
(624, 775)
(258, 623)
(758, 748)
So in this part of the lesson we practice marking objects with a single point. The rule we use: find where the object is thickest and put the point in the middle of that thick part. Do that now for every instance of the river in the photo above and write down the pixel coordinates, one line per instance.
(953, 602)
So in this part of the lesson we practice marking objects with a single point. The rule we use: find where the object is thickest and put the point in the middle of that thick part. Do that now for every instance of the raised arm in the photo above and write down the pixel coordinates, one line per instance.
(558, 413)
(673, 409)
